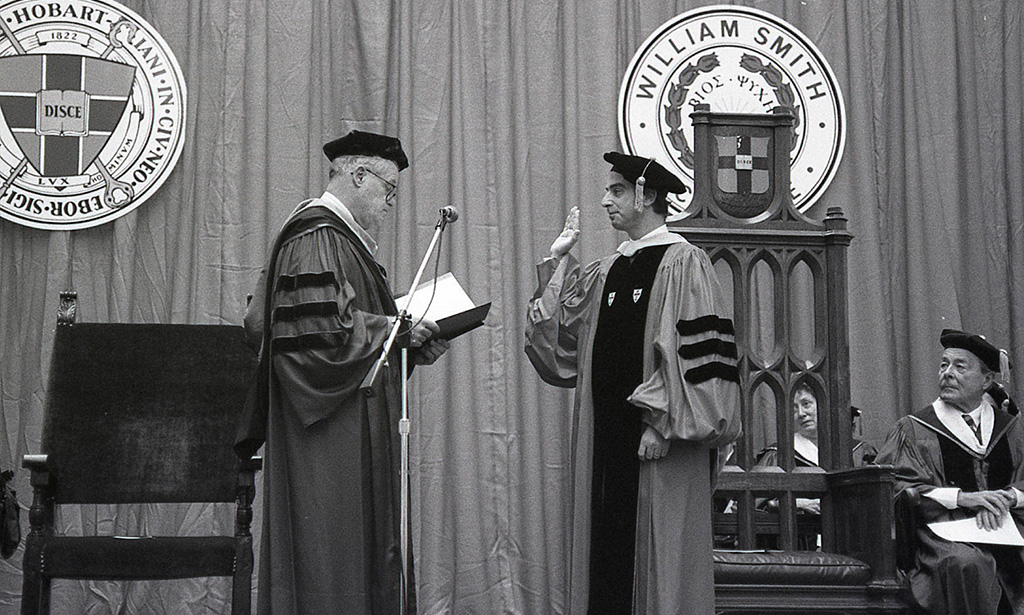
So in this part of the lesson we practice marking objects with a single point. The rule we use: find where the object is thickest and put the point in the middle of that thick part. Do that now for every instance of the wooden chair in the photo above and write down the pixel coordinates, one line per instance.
(786, 275)
(140, 413)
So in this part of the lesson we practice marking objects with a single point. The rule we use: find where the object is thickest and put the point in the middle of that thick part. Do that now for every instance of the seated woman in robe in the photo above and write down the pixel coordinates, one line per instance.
(805, 454)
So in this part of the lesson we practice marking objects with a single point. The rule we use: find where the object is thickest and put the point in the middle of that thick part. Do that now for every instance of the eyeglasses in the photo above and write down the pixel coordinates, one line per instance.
(391, 187)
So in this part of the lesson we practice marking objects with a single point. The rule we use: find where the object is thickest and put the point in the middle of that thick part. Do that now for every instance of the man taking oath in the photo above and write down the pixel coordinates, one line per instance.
(645, 338)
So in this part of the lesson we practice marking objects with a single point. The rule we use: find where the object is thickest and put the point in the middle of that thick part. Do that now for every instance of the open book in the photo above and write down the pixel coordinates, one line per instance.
(448, 305)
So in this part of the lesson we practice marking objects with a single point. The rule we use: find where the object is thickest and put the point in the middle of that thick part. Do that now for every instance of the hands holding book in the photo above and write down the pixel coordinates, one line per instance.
(446, 307)
(427, 347)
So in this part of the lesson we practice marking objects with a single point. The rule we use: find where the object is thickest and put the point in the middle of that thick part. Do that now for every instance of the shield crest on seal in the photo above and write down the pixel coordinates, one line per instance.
(743, 185)
(62, 109)
(743, 164)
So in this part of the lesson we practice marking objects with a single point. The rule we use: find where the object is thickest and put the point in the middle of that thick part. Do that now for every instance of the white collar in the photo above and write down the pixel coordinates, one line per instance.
(334, 204)
(658, 237)
(806, 448)
(954, 422)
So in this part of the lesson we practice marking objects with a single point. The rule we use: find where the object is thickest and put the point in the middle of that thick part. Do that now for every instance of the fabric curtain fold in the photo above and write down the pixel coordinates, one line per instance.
(505, 109)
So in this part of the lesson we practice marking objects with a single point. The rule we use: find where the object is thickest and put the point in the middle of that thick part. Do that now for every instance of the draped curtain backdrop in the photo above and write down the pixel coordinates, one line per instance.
(505, 107)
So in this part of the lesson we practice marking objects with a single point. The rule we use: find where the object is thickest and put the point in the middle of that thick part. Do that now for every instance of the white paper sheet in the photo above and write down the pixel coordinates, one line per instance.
(449, 299)
(967, 530)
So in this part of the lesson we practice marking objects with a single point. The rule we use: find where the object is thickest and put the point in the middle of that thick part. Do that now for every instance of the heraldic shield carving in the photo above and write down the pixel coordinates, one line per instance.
(741, 166)
(62, 109)
(744, 179)
(92, 112)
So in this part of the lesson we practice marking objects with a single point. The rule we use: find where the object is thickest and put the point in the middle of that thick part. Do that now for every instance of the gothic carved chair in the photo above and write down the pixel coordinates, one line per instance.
(140, 413)
(786, 277)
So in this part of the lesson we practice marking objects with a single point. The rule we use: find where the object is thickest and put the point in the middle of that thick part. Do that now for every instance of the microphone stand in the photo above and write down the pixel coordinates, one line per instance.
(366, 388)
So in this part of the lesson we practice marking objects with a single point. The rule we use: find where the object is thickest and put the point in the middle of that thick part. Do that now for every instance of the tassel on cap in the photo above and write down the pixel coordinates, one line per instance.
(638, 193)
(656, 177)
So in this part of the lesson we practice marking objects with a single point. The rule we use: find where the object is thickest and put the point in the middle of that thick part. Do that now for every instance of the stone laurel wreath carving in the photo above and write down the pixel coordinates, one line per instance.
(676, 98)
(783, 91)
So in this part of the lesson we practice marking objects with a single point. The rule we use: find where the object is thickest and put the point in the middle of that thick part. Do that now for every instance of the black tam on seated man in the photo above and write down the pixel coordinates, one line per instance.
(964, 455)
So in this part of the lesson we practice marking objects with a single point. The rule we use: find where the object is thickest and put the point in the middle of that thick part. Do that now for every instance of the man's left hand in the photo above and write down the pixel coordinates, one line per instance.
(430, 351)
(652, 445)
(989, 521)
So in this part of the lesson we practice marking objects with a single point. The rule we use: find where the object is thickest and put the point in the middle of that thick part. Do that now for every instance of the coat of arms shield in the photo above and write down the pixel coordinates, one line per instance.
(62, 109)
(743, 185)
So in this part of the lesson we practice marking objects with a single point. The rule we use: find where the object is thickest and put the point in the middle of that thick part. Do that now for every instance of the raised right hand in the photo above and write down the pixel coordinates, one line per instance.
(567, 239)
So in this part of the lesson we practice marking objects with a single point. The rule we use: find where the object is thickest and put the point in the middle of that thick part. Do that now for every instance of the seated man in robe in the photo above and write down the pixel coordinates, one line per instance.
(965, 458)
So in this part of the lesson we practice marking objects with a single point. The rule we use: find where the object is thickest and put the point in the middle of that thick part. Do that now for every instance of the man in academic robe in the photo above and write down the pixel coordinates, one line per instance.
(331, 536)
(647, 341)
(965, 459)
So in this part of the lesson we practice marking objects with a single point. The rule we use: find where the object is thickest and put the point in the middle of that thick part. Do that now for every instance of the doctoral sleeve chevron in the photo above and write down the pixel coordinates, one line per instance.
(327, 325)
(691, 385)
(708, 343)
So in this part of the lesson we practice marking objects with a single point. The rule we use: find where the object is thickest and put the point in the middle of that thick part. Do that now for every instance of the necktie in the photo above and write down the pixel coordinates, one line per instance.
(976, 428)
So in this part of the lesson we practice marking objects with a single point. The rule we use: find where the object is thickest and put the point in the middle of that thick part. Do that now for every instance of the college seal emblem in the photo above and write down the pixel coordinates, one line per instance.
(737, 60)
(92, 112)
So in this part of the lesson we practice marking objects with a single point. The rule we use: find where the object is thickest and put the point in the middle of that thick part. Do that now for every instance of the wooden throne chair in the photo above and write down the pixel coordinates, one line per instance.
(786, 276)
(140, 413)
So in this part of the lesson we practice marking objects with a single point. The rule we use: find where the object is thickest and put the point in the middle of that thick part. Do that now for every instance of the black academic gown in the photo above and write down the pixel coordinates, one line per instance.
(689, 394)
(954, 578)
(331, 498)
(618, 370)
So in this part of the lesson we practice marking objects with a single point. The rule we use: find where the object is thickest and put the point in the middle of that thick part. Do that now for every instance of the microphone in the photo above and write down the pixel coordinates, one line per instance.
(449, 214)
